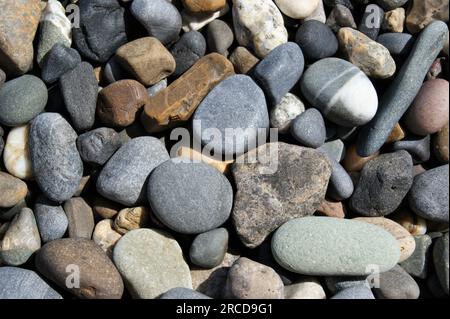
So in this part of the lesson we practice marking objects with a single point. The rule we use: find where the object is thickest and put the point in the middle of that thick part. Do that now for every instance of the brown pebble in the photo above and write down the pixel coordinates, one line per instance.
(243, 60)
(105, 208)
(204, 5)
(331, 209)
(440, 144)
(353, 162)
(222, 166)
(397, 134)
(84, 184)
(81, 218)
(12, 190)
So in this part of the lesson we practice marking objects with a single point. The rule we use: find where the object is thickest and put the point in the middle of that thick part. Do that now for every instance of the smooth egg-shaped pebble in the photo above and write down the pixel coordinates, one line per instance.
(81, 267)
(326, 246)
(123, 178)
(16, 154)
(208, 249)
(341, 91)
(12, 190)
(309, 128)
(51, 219)
(57, 166)
(316, 40)
(151, 263)
(21, 100)
(299, 9)
(189, 197)
(429, 111)
(397, 43)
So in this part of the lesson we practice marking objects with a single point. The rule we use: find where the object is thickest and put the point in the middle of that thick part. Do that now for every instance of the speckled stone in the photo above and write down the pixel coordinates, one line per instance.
(208, 249)
(340, 17)
(183, 293)
(397, 284)
(80, 218)
(282, 115)
(188, 50)
(417, 265)
(316, 40)
(220, 37)
(59, 60)
(51, 219)
(12, 190)
(355, 292)
(394, 20)
(98, 145)
(417, 146)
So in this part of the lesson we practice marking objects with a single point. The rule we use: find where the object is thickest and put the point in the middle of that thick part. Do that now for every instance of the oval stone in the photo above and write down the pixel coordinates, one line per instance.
(341, 91)
(326, 246)
(57, 166)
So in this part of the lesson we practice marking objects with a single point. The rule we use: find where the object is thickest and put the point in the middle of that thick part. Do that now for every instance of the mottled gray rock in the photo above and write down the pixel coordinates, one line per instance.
(57, 166)
(384, 182)
(397, 43)
(188, 50)
(220, 37)
(183, 293)
(282, 115)
(309, 128)
(98, 145)
(371, 21)
(428, 196)
(417, 265)
(51, 219)
(355, 292)
(340, 17)
(441, 261)
(396, 284)
(208, 249)
(124, 177)
(59, 60)
(189, 197)
(316, 40)
(418, 147)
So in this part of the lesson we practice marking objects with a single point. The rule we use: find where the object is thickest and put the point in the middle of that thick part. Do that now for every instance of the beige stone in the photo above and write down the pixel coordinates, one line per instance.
(331, 209)
(394, 20)
(243, 60)
(423, 12)
(12, 190)
(416, 225)
(131, 218)
(222, 166)
(305, 288)
(105, 236)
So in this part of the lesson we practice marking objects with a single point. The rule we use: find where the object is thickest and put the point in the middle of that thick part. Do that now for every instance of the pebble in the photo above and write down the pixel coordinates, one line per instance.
(423, 13)
(97, 146)
(403, 89)
(51, 219)
(248, 279)
(12, 190)
(340, 17)
(101, 31)
(318, 14)
(370, 56)
(417, 146)
(440, 144)
(154, 89)
(353, 162)
(429, 111)
(428, 196)
(151, 262)
(404, 238)
(339, 283)
(371, 21)
(417, 265)
(340, 90)
(21, 100)
(398, 44)
(17, 283)
(176, 104)
(396, 135)
(189, 49)
(283, 114)
(57, 166)
(119, 102)
(55, 28)
(384, 183)
(258, 24)
(243, 60)
(245, 109)
(203, 199)
(80, 218)
(113, 72)
(305, 288)
(105, 236)
(300, 9)
(397, 284)
(160, 18)
(335, 149)
(204, 6)
(220, 37)
(441, 264)
(326, 246)
(2, 77)
(18, 25)
(316, 40)
(340, 186)
(131, 218)
(9, 213)
(124, 177)
(277, 188)
(416, 225)
(193, 155)
(360, 292)
(146, 59)
(391, 4)
(196, 21)
(208, 249)
(61, 260)
(308, 128)
(79, 88)
(394, 20)
(183, 293)
(331, 209)
(59, 60)
(105, 208)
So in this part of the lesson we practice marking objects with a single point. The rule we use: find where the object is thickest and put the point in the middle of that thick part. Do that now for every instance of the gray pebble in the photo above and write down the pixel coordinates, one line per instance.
(355, 292)
(340, 17)
(340, 186)
(417, 146)
(396, 284)
(336, 284)
(183, 293)
(59, 60)
(417, 264)
(316, 40)
(335, 149)
(98, 145)
(188, 50)
(80, 217)
(208, 249)
(441, 261)
(397, 43)
(51, 219)
(391, 4)
(220, 37)
(308, 128)
(371, 21)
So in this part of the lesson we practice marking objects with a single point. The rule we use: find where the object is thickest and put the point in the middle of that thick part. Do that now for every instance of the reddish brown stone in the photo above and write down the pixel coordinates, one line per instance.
(397, 134)
(331, 209)
(204, 5)
(119, 102)
(176, 104)
(353, 162)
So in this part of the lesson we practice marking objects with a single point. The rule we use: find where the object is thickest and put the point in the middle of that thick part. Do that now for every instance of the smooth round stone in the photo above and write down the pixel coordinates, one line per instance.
(305, 288)
(341, 17)
(316, 40)
(441, 264)
(417, 265)
(183, 293)
(371, 21)
(340, 91)
(80, 217)
(440, 145)
(12, 190)
(21, 100)
(220, 37)
(189, 197)
(335, 149)
(21, 239)
(59, 60)
(428, 196)
(299, 9)
(105, 236)
(326, 246)
(123, 178)
(51, 219)
(188, 50)
(429, 111)
(208, 249)
(97, 146)
(151, 263)
(160, 18)
(384, 183)
(56, 163)
(405, 239)
(235, 103)
(417, 146)
(62, 260)
(282, 115)
(16, 155)
(355, 292)
(397, 43)
(279, 71)
(397, 284)
(309, 128)
(18, 283)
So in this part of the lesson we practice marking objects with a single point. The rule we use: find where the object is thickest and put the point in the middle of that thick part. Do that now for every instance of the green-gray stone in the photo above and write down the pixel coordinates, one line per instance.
(325, 246)
(441, 261)
(50, 34)
(21, 100)
(417, 264)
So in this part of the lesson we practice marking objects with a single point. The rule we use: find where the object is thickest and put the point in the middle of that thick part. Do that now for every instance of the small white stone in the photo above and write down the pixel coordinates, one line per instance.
(318, 14)
(56, 14)
(105, 236)
(259, 25)
(196, 21)
(297, 9)
(306, 288)
(285, 112)
(16, 155)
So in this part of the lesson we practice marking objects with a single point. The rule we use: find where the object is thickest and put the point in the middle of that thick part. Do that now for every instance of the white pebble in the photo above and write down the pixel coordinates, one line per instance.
(16, 155)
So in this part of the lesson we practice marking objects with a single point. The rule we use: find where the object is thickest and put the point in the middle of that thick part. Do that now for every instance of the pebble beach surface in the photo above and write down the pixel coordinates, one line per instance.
(224, 149)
